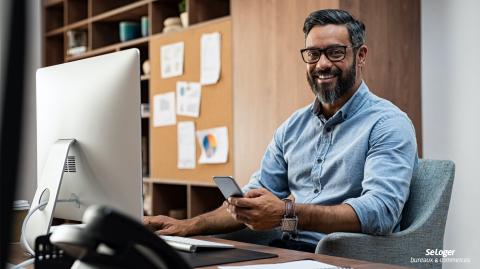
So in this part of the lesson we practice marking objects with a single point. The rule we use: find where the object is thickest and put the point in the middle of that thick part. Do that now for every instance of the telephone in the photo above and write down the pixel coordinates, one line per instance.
(110, 239)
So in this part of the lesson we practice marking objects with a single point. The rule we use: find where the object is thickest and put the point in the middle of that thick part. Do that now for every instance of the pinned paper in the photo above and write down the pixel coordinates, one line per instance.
(164, 109)
(188, 98)
(171, 60)
(186, 145)
(210, 58)
(214, 145)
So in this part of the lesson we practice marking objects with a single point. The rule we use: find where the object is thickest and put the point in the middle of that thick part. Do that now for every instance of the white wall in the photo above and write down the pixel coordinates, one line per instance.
(451, 113)
(28, 156)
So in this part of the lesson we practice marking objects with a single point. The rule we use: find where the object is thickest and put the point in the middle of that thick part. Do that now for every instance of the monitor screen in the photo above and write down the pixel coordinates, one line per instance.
(88, 139)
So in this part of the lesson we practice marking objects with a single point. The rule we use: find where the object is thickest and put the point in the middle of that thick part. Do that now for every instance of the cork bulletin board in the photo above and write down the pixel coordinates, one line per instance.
(215, 107)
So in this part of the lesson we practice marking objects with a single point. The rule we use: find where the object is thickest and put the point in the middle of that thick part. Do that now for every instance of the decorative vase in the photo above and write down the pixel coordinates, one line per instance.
(184, 19)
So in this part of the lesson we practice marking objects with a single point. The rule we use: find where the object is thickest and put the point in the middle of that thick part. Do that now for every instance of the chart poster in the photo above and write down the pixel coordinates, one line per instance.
(214, 145)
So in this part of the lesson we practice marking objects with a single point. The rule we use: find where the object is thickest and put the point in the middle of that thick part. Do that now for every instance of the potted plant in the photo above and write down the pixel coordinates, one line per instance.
(182, 7)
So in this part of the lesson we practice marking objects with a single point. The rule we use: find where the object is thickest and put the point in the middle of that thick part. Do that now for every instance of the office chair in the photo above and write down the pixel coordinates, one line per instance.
(422, 226)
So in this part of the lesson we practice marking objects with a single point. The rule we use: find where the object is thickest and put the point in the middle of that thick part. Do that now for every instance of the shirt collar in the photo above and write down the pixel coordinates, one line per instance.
(349, 108)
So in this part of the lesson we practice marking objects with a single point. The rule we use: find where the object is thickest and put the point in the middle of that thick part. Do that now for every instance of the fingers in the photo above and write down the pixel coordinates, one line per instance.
(248, 201)
(151, 223)
(240, 214)
(241, 218)
(168, 231)
(163, 225)
(241, 202)
(147, 220)
(156, 222)
(256, 193)
(248, 217)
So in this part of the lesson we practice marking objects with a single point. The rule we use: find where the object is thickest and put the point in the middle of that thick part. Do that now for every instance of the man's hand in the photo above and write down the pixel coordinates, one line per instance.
(168, 226)
(259, 210)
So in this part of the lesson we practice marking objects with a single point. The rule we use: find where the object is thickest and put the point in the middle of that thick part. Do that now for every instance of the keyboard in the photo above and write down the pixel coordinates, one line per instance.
(190, 244)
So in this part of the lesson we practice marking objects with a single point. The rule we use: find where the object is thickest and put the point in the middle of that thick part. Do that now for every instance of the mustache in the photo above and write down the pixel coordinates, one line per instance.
(329, 72)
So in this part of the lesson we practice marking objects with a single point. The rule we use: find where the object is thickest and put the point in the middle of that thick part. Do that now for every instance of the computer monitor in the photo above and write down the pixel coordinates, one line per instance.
(88, 139)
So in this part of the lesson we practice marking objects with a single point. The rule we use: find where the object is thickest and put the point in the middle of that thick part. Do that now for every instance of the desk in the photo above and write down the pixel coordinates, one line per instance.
(284, 255)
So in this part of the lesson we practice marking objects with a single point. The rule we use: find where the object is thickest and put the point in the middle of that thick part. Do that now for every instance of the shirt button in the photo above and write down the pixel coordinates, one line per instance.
(319, 160)
(315, 191)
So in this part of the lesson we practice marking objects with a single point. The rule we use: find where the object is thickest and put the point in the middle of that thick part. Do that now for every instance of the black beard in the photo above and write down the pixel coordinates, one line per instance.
(331, 94)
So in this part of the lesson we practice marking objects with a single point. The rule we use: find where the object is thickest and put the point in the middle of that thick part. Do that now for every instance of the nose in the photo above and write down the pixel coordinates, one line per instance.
(323, 63)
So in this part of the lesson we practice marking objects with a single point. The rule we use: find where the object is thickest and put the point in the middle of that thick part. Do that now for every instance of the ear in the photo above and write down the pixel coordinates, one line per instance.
(362, 56)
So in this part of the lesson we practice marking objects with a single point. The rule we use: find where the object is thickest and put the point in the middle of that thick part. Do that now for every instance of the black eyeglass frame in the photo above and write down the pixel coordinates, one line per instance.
(324, 51)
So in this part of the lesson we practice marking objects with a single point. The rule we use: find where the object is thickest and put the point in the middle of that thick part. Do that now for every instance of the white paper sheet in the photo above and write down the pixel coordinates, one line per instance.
(171, 60)
(188, 98)
(304, 264)
(210, 63)
(164, 109)
(186, 145)
(214, 145)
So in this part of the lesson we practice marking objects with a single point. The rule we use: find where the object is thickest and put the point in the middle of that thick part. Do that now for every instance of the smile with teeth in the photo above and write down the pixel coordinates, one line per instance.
(325, 78)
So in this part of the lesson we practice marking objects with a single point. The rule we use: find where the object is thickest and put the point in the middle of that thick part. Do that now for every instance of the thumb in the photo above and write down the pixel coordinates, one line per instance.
(256, 193)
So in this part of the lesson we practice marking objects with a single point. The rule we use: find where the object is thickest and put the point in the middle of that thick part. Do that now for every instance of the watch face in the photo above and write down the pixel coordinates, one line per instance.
(289, 224)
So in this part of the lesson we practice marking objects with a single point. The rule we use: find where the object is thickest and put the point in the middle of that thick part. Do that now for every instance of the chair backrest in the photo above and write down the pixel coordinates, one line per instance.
(429, 199)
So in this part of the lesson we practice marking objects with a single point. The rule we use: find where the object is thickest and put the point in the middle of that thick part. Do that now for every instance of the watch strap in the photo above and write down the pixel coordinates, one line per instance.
(290, 220)
(289, 208)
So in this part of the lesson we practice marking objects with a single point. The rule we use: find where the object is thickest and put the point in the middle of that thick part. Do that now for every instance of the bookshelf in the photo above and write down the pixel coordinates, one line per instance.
(99, 22)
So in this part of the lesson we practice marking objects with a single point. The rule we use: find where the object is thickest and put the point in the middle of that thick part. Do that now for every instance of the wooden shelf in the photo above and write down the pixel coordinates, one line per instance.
(90, 54)
(128, 12)
(77, 25)
(55, 32)
(50, 3)
(132, 43)
(104, 38)
(190, 182)
(189, 197)
(99, 7)
(100, 19)
(83, 24)
(110, 48)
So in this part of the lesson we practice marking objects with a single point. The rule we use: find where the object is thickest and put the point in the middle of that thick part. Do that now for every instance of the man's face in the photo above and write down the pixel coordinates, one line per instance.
(331, 80)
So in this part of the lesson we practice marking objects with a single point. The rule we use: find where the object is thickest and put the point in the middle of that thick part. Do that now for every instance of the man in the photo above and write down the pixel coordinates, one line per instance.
(346, 160)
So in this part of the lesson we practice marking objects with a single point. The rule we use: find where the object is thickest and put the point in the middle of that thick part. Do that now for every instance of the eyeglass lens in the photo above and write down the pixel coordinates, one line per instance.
(333, 54)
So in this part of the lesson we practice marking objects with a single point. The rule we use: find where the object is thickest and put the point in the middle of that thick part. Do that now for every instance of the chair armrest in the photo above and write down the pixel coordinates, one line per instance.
(344, 241)
(396, 248)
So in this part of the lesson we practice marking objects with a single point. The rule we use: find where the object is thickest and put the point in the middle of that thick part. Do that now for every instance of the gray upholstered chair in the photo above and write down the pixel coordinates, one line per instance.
(422, 225)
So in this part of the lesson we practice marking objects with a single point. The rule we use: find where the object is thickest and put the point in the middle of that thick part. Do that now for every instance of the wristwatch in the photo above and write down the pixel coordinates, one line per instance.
(290, 220)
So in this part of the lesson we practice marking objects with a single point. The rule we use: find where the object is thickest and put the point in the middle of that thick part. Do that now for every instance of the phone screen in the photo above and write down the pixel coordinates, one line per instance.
(228, 186)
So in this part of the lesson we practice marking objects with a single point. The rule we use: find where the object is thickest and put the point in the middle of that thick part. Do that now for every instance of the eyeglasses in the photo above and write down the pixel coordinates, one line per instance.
(333, 53)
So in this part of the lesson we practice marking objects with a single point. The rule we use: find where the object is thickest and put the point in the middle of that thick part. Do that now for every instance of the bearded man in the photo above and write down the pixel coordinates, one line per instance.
(341, 164)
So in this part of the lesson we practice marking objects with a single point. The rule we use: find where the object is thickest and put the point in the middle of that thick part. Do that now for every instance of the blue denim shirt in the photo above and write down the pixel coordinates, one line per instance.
(364, 156)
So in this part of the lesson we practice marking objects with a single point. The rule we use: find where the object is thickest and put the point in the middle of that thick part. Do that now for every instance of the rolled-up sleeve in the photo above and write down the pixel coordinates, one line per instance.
(273, 172)
(390, 162)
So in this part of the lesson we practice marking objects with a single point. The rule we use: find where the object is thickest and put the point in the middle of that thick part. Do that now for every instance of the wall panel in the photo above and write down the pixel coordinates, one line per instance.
(269, 76)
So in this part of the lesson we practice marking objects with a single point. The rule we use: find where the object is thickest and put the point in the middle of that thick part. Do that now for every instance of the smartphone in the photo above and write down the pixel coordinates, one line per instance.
(228, 186)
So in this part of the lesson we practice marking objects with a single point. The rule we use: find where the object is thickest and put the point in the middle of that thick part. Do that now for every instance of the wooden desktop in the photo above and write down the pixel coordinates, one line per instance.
(17, 255)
